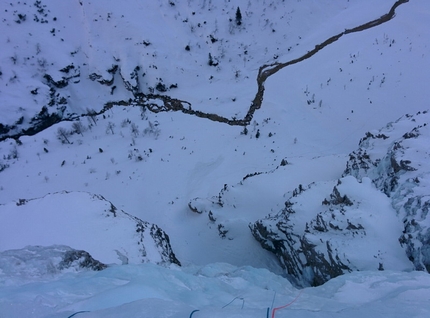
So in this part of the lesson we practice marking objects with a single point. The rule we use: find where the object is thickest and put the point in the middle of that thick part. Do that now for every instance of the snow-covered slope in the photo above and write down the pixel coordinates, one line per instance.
(155, 105)
(87, 222)
(68, 58)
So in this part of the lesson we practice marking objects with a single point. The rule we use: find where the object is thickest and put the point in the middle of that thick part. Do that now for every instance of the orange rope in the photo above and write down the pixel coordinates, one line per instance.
(277, 308)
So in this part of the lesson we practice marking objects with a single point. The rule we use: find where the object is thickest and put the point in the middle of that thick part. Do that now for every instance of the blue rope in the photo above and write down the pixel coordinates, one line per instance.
(243, 302)
(273, 300)
(230, 302)
(79, 312)
(193, 312)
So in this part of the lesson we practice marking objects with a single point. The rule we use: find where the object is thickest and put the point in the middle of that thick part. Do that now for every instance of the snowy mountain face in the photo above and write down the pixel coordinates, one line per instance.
(379, 204)
(199, 158)
(401, 173)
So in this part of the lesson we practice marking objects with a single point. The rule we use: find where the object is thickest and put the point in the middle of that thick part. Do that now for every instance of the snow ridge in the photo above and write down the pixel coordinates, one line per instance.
(84, 221)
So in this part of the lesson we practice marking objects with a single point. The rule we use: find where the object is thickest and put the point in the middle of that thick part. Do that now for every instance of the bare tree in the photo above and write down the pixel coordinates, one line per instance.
(134, 129)
(109, 128)
(92, 116)
(78, 128)
(152, 129)
(62, 135)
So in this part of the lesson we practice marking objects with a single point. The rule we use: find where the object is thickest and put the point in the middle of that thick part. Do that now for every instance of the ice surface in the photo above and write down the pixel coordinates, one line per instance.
(216, 290)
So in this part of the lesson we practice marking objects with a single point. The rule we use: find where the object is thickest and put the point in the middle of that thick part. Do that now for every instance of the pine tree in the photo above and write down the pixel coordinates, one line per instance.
(238, 16)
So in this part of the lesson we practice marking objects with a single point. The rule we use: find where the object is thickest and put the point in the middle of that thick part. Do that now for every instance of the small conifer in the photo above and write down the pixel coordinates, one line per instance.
(238, 16)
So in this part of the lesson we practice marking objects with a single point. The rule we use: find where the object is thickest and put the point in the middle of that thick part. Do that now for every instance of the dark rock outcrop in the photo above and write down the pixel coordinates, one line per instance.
(382, 200)
(160, 238)
(39, 261)
(80, 259)
(305, 242)
(396, 159)
(318, 238)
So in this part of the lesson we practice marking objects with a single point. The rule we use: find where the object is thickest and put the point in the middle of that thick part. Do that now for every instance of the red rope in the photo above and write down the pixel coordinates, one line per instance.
(277, 308)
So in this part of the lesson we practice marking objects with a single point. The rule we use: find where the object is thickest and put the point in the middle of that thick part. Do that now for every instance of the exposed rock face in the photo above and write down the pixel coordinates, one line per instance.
(319, 237)
(38, 261)
(279, 234)
(159, 237)
(347, 230)
(87, 222)
(81, 259)
(397, 160)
